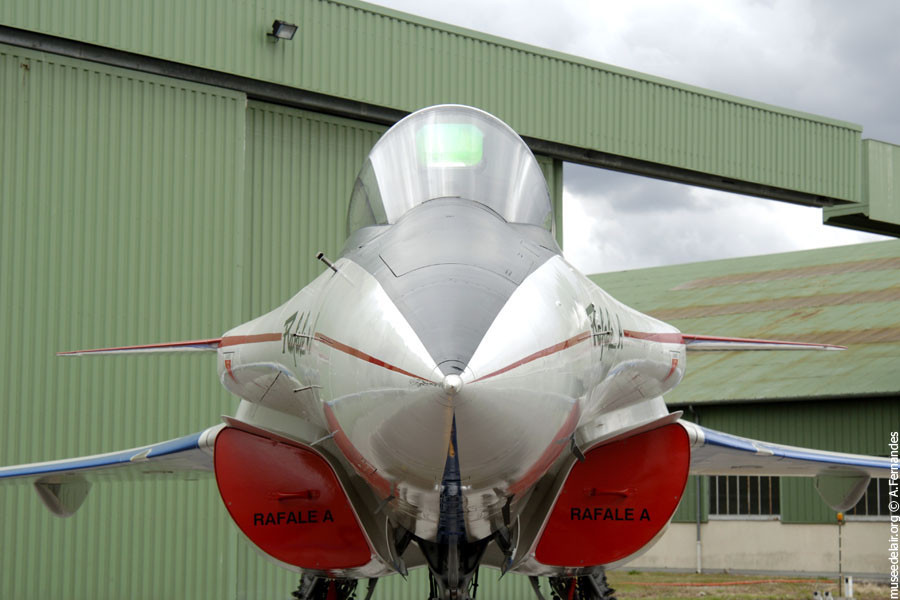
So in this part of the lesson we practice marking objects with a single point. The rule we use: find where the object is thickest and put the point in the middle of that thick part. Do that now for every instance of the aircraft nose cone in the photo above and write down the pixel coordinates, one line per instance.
(452, 384)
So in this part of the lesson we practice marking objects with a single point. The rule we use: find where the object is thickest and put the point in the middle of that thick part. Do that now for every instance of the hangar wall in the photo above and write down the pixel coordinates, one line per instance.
(604, 115)
(121, 207)
(137, 208)
(298, 186)
(880, 198)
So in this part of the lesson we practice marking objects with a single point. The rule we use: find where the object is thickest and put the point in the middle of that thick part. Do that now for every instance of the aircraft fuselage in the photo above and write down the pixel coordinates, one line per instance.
(451, 315)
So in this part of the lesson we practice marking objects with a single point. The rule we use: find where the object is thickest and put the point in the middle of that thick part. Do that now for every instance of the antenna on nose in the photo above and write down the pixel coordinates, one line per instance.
(321, 256)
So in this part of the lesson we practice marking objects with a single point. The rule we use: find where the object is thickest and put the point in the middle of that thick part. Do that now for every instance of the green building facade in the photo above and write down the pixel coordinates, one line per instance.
(168, 171)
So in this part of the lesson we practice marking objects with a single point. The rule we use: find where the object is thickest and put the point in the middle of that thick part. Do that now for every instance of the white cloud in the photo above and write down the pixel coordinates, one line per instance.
(628, 222)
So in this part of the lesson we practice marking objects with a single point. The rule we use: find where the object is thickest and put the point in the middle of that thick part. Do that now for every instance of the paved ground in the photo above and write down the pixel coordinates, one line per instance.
(723, 586)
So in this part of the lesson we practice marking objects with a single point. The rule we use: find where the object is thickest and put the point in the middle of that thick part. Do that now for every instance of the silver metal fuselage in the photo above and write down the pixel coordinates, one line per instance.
(451, 314)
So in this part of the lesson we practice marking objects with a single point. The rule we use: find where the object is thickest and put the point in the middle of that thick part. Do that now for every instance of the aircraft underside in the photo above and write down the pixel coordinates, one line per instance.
(593, 510)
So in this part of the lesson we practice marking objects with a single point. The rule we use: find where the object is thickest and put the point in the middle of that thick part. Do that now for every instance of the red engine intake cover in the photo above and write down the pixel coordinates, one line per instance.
(289, 502)
(617, 500)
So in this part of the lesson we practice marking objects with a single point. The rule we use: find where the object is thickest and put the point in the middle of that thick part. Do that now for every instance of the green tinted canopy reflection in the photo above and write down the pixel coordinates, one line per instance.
(450, 144)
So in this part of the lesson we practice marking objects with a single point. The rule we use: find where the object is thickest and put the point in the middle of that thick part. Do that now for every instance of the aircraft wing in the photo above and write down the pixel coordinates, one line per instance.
(696, 343)
(207, 345)
(840, 478)
(64, 484)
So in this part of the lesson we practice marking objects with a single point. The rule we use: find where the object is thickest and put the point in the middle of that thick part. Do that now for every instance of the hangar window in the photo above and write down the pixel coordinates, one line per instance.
(874, 502)
(744, 496)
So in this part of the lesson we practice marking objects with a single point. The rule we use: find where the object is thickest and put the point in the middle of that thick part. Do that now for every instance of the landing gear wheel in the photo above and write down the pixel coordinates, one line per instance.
(322, 588)
(584, 587)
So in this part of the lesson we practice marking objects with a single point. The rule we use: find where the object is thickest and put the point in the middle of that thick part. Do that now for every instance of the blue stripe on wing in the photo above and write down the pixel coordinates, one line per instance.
(733, 442)
(167, 448)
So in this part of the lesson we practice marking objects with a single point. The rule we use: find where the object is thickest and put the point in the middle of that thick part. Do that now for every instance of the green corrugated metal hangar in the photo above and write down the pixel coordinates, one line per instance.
(164, 177)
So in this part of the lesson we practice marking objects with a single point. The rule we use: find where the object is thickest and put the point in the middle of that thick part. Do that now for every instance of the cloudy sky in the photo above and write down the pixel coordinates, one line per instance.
(829, 57)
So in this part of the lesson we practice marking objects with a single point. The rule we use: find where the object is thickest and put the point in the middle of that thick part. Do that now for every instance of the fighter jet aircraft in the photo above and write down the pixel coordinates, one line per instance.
(450, 393)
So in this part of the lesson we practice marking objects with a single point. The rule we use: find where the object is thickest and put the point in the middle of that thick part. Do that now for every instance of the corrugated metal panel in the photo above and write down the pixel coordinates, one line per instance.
(881, 180)
(847, 295)
(879, 210)
(120, 204)
(301, 167)
(861, 427)
(256, 578)
(354, 50)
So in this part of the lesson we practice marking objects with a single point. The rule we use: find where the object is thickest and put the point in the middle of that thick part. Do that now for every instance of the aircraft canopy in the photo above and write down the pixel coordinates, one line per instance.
(449, 151)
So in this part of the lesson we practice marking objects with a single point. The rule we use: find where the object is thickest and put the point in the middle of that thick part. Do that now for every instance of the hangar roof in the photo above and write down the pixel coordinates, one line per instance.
(848, 295)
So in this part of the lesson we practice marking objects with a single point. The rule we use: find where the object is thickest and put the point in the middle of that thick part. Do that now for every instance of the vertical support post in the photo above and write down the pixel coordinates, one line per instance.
(840, 520)
(697, 501)
(699, 542)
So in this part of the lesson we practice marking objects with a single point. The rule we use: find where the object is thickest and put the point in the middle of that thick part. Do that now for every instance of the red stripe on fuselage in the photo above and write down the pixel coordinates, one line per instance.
(363, 356)
(672, 369)
(663, 338)
(234, 340)
(585, 335)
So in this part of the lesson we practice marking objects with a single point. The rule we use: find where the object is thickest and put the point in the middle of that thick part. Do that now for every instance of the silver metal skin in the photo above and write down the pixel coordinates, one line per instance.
(450, 310)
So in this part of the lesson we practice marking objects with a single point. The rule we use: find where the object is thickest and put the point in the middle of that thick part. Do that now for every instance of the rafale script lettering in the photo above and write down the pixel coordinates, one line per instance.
(295, 517)
(598, 513)
(296, 339)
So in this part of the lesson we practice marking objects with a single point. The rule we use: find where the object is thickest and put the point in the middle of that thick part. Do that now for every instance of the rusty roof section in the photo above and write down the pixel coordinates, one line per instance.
(891, 294)
(847, 295)
(855, 266)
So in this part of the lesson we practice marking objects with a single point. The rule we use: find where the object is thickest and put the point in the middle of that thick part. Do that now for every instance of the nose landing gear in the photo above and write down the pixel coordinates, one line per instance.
(583, 587)
(453, 568)
(323, 588)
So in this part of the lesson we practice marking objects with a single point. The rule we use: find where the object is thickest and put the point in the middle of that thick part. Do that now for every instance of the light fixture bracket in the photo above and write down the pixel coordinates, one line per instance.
(282, 30)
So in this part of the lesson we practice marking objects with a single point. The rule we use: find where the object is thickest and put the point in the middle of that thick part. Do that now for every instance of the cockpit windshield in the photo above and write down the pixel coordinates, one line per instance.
(449, 151)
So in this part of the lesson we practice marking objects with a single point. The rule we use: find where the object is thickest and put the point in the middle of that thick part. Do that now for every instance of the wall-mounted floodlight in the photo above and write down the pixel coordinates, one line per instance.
(282, 30)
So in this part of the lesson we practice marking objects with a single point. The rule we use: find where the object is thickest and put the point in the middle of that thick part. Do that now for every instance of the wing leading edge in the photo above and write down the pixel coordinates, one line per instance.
(709, 342)
(840, 478)
(209, 345)
(64, 484)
